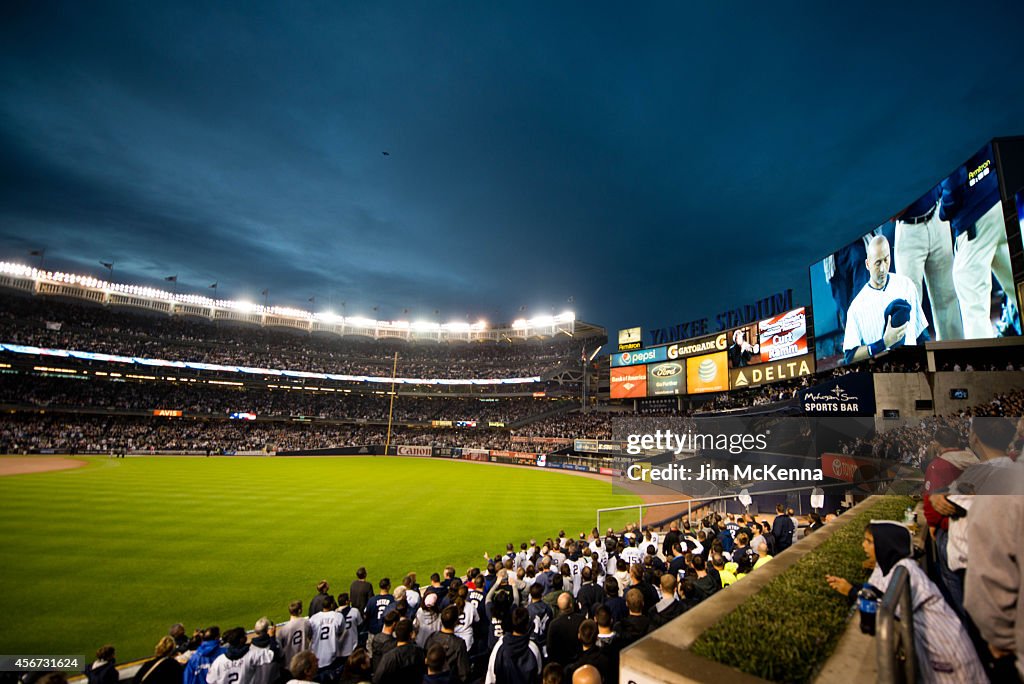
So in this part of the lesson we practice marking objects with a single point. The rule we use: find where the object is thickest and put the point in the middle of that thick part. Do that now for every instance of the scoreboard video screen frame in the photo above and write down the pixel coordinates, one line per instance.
(950, 246)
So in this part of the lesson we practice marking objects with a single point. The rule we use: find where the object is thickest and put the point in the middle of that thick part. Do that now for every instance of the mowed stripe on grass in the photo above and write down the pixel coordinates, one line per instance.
(117, 551)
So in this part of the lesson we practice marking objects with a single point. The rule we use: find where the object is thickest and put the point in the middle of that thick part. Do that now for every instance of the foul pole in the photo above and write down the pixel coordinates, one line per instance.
(391, 405)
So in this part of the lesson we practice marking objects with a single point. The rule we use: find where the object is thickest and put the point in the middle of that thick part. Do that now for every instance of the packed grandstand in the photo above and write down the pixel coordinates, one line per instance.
(81, 377)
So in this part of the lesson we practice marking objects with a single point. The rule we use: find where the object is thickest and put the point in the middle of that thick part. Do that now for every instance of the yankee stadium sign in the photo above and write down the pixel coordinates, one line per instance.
(773, 305)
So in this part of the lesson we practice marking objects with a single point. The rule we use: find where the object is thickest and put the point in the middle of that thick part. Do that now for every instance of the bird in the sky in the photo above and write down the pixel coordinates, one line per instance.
(386, 154)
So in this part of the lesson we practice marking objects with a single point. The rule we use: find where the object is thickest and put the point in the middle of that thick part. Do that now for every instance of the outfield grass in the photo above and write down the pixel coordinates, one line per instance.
(119, 550)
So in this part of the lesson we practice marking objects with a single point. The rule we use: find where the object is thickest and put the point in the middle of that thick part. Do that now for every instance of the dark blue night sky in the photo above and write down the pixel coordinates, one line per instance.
(655, 164)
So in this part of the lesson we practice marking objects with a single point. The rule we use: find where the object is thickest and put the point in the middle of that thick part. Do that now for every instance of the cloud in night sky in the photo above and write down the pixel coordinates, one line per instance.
(656, 165)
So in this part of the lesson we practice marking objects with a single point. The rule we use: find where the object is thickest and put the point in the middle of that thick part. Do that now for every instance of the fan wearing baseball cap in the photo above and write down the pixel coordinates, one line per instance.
(886, 313)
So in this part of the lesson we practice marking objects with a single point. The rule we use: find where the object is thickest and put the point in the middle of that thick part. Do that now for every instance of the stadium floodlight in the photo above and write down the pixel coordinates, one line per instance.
(287, 311)
(328, 317)
(542, 321)
(361, 322)
(458, 326)
(519, 324)
(425, 326)
(565, 317)
(245, 307)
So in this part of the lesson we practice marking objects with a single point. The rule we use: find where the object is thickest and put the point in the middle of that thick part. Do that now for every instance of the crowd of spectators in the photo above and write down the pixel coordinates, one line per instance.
(557, 610)
(592, 425)
(48, 323)
(200, 398)
(911, 442)
(83, 433)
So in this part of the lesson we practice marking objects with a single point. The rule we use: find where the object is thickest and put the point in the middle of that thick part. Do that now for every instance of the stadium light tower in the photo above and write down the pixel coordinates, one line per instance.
(586, 375)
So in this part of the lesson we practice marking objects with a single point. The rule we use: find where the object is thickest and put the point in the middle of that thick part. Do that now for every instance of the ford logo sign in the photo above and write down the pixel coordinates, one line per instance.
(667, 370)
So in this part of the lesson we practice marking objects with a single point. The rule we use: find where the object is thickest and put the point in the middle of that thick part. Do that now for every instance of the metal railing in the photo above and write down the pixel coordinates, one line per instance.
(895, 637)
(702, 501)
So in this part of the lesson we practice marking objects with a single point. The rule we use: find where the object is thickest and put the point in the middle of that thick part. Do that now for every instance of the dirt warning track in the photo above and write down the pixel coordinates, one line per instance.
(21, 465)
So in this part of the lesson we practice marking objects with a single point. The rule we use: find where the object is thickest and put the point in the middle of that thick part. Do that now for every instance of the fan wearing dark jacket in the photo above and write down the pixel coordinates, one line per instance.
(403, 664)
(104, 669)
(163, 668)
(515, 658)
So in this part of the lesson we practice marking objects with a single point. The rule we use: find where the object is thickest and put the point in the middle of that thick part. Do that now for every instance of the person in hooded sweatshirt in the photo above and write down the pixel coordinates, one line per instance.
(103, 670)
(515, 658)
(943, 649)
(264, 637)
(239, 663)
(198, 664)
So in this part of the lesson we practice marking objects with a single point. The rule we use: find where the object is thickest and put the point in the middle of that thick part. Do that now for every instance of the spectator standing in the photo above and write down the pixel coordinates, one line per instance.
(294, 635)
(515, 658)
(782, 529)
(239, 663)
(163, 668)
(198, 665)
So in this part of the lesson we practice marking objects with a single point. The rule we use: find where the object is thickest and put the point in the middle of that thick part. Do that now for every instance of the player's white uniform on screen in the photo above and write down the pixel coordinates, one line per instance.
(865, 321)
(975, 263)
(223, 670)
(328, 630)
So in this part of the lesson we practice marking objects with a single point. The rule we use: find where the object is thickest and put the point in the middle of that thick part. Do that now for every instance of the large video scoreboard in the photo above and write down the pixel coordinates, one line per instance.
(769, 350)
(941, 268)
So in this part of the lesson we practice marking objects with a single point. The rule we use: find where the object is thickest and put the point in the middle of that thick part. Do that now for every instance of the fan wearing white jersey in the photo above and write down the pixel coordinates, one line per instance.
(576, 564)
(295, 634)
(328, 631)
(869, 330)
(353, 620)
(468, 617)
(239, 664)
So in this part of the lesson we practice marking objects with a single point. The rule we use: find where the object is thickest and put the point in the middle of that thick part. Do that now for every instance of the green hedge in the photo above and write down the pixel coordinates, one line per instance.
(787, 630)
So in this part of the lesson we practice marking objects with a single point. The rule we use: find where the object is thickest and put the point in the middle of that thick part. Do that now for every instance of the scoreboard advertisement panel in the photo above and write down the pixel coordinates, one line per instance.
(764, 373)
(629, 382)
(635, 358)
(630, 339)
(783, 336)
(700, 345)
(707, 373)
(744, 346)
(666, 378)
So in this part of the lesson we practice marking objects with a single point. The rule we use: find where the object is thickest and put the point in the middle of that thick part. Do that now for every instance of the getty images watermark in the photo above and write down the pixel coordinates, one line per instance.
(707, 457)
(665, 442)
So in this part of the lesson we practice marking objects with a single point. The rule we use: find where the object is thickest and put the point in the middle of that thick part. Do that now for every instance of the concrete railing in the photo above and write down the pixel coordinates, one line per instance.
(664, 656)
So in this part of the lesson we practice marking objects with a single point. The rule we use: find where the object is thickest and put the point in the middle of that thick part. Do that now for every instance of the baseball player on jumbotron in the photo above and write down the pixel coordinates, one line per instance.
(886, 313)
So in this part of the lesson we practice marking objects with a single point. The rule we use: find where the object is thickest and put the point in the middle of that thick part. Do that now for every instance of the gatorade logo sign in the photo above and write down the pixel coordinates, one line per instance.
(681, 350)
